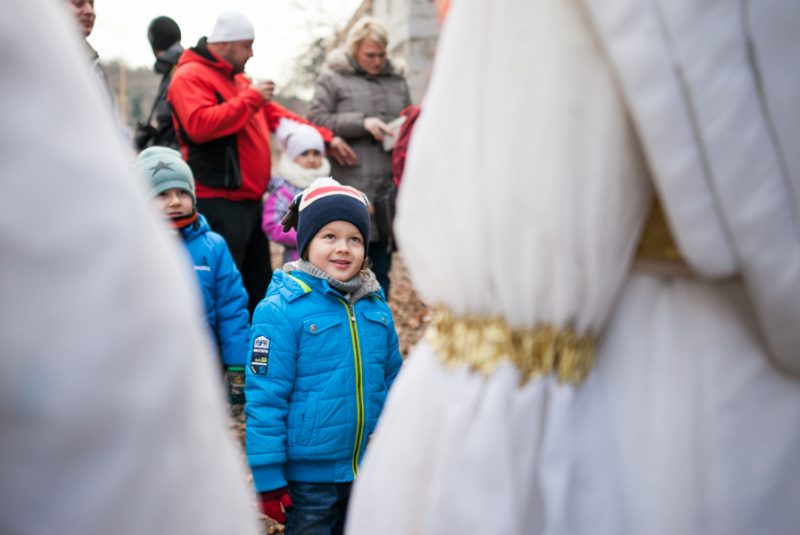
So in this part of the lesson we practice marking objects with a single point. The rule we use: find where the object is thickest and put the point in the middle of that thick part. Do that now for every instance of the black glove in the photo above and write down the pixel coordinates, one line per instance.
(144, 133)
(234, 380)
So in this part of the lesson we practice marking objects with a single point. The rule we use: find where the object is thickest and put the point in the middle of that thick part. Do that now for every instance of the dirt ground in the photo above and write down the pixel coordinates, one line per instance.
(411, 317)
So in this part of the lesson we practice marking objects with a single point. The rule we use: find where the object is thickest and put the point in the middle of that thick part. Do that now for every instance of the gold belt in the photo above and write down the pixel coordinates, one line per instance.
(657, 253)
(484, 343)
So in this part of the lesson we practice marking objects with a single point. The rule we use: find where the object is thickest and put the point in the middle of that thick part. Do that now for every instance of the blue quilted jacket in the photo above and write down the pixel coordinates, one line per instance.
(318, 371)
(224, 295)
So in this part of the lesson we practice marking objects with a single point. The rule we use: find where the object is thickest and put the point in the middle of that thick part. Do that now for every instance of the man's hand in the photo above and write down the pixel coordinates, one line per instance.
(377, 128)
(266, 88)
(341, 152)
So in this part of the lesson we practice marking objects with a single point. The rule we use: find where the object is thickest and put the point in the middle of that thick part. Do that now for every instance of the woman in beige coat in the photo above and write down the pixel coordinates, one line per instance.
(358, 92)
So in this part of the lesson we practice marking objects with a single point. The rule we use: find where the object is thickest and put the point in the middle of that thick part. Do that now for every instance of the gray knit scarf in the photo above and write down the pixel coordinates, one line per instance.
(353, 289)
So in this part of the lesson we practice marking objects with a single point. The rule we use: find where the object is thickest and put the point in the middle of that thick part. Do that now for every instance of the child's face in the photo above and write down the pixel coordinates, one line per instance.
(338, 250)
(174, 202)
(310, 159)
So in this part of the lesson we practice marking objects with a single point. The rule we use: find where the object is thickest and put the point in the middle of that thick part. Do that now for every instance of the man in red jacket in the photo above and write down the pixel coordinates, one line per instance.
(223, 121)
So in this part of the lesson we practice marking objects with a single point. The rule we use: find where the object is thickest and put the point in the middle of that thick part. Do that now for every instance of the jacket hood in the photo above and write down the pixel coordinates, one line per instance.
(340, 61)
(169, 59)
(192, 232)
(202, 54)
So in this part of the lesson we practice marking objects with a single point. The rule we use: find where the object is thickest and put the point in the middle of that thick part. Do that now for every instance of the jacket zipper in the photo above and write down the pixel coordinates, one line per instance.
(359, 385)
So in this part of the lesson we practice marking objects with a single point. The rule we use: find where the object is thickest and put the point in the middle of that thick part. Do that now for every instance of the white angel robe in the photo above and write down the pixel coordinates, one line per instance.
(111, 416)
(547, 126)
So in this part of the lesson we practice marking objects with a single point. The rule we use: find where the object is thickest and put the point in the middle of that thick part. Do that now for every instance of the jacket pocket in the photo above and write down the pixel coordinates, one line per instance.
(215, 163)
(378, 322)
(380, 317)
(323, 338)
(307, 417)
(233, 175)
(317, 326)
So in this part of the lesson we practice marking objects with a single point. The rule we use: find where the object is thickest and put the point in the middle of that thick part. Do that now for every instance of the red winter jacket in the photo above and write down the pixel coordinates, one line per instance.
(223, 126)
(401, 143)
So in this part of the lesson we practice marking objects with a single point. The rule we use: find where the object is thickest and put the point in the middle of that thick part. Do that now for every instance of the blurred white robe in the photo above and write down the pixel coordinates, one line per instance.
(111, 416)
(529, 179)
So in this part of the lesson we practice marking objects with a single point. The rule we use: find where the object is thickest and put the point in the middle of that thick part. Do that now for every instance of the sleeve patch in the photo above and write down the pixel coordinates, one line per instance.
(258, 364)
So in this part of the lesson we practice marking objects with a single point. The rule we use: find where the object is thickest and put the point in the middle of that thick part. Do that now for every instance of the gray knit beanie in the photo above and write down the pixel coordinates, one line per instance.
(164, 169)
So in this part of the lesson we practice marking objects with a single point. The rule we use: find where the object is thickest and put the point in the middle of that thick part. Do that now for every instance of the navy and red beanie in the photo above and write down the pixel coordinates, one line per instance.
(326, 200)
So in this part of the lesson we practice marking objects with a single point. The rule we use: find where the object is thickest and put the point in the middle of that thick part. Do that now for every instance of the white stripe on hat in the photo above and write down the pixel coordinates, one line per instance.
(326, 187)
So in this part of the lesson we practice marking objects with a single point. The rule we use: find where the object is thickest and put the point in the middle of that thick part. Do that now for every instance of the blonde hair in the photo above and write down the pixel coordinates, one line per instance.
(365, 266)
(366, 27)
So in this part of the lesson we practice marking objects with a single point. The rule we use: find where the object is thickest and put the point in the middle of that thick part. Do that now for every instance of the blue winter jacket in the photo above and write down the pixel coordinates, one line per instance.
(318, 371)
(223, 292)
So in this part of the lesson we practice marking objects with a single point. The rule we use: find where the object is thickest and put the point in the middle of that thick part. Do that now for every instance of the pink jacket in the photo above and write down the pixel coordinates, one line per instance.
(281, 194)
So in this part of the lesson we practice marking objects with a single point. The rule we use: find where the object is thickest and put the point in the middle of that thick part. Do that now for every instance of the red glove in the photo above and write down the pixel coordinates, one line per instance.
(274, 503)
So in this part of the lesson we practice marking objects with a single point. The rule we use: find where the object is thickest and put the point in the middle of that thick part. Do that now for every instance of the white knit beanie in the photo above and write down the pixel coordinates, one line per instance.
(296, 138)
(232, 26)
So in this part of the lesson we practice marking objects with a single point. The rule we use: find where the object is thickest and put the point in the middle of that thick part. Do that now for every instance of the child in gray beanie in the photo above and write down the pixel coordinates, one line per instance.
(172, 187)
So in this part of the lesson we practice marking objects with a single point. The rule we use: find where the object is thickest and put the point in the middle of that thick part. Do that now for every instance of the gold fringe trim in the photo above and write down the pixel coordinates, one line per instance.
(484, 343)
(656, 243)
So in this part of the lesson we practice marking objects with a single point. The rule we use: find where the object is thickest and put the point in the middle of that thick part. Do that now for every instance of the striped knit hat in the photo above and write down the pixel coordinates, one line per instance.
(324, 201)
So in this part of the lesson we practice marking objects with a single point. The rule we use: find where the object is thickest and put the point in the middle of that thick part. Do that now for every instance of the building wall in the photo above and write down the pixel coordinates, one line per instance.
(413, 27)
(413, 32)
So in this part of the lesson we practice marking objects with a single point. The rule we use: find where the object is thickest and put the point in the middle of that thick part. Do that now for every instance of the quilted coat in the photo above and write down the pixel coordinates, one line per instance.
(223, 126)
(318, 371)
(224, 295)
(345, 94)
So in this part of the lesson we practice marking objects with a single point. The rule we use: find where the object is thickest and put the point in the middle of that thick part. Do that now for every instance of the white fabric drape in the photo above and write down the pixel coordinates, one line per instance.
(524, 197)
(714, 87)
(111, 416)
(549, 225)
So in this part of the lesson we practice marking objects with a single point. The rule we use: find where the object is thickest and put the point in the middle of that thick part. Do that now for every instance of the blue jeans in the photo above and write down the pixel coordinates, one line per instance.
(317, 508)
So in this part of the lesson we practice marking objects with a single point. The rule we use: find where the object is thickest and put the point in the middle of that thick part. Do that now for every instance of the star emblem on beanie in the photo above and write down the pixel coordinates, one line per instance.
(160, 166)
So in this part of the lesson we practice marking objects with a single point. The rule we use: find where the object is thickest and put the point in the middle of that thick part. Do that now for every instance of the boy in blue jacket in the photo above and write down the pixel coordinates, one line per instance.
(323, 354)
(172, 186)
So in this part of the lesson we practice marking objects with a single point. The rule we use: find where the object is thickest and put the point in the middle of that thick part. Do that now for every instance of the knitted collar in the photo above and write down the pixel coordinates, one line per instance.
(354, 289)
(299, 176)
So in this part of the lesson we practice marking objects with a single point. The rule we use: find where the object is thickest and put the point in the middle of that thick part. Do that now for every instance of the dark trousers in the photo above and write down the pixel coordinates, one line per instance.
(239, 222)
(317, 508)
(381, 264)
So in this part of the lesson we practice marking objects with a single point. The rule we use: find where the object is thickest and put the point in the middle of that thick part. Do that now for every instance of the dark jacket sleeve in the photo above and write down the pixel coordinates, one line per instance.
(322, 110)
(233, 318)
